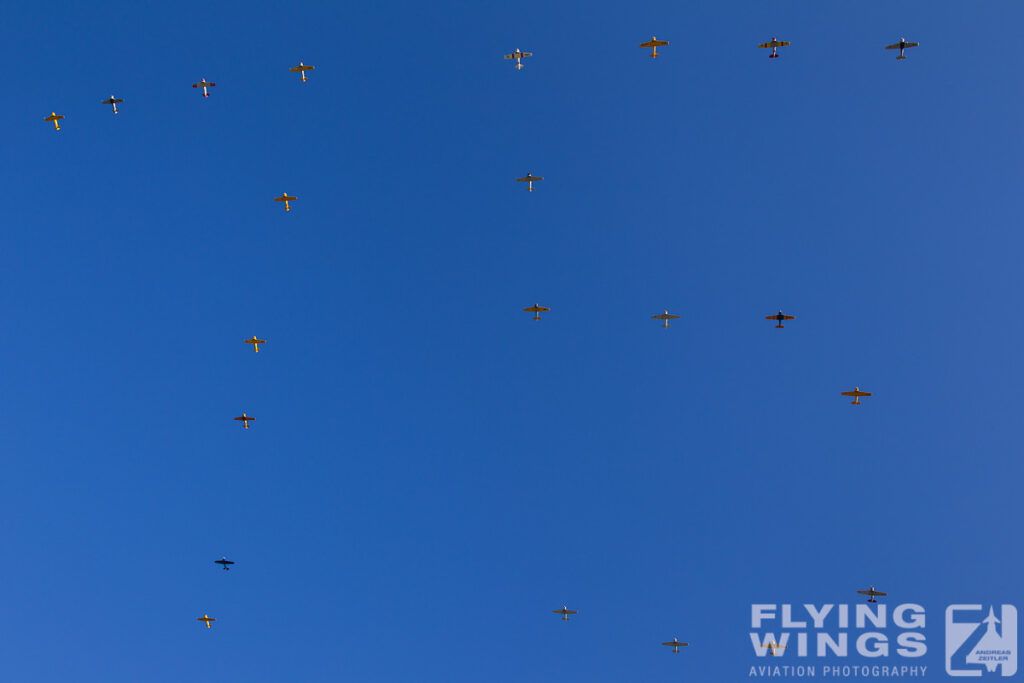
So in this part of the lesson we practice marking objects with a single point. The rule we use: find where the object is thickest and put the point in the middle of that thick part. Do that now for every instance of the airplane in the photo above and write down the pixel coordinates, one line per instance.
(773, 647)
(564, 612)
(285, 198)
(856, 393)
(675, 644)
(54, 117)
(113, 101)
(302, 69)
(901, 46)
(204, 84)
(224, 562)
(528, 178)
(255, 342)
(779, 317)
(872, 593)
(654, 44)
(666, 316)
(244, 419)
(519, 56)
(536, 309)
(774, 44)
(207, 619)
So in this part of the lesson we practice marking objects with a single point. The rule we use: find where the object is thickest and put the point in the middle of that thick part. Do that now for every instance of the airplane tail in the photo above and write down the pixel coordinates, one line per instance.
(779, 326)
(774, 56)
(901, 57)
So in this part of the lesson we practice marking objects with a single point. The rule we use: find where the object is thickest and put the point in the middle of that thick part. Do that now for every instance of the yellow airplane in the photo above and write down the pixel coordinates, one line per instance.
(856, 393)
(112, 101)
(872, 594)
(529, 178)
(302, 69)
(255, 342)
(244, 419)
(207, 619)
(666, 316)
(519, 56)
(774, 44)
(654, 44)
(285, 198)
(54, 117)
(564, 612)
(675, 644)
(773, 648)
(536, 309)
(779, 317)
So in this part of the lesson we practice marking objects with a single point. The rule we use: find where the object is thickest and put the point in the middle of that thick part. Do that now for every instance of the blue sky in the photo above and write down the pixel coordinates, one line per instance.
(431, 472)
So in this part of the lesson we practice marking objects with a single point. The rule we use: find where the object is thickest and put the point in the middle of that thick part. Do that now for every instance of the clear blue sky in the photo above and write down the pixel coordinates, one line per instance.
(431, 472)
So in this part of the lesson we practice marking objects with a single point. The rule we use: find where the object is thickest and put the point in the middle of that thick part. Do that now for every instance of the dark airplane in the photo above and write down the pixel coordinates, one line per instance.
(224, 562)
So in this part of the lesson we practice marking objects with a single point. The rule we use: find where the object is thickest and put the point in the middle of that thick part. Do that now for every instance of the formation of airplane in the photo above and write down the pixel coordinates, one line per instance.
(773, 648)
(779, 317)
(857, 395)
(666, 316)
(225, 563)
(54, 117)
(774, 44)
(206, 618)
(901, 46)
(675, 644)
(529, 178)
(565, 612)
(302, 69)
(255, 342)
(245, 419)
(872, 593)
(519, 56)
(285, 198)
(654, 44)
(112, 101)
(205, 85)
(536, 309)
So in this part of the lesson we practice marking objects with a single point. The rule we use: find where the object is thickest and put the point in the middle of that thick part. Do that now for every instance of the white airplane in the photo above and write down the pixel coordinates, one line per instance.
(666, 316)
(302, 69)
(872, 594)
(565, 612)
(675, 644)
(112, 101)
(528, 178)
(204, 84)
(519, 56)
(901, 46)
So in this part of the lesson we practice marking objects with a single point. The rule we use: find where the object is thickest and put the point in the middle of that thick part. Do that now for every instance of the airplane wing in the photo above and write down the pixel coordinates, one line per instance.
(894, 46)
(511, 56)
(654, 43)
(789, 317)
(675, 643)
(913, 44)
(304, 67)
(527, 54)
(768, 44)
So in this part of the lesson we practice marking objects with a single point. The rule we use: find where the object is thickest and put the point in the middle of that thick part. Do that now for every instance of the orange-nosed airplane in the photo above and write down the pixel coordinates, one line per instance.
(244, 419)
(207, 619)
